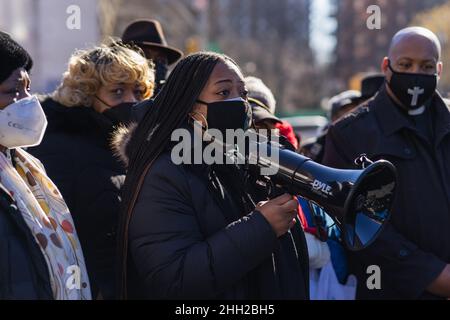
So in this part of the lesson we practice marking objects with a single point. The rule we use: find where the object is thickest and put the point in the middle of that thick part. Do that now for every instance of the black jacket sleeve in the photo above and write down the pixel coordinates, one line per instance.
(173, 258)
(23, 270)
(406, 270)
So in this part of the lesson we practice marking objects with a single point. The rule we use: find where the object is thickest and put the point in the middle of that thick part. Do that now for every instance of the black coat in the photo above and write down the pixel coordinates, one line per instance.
(186, 243)
(415, 247)
(23, 270)
(78, 158)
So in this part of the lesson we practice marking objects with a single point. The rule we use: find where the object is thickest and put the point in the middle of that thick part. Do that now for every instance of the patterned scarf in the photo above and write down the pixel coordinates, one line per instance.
(49, 220)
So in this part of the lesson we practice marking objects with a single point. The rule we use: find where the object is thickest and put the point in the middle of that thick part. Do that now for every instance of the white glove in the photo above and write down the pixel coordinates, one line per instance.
(319, 253)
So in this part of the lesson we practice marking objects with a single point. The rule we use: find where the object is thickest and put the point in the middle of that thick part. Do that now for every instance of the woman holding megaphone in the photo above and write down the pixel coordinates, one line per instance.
(193, 231)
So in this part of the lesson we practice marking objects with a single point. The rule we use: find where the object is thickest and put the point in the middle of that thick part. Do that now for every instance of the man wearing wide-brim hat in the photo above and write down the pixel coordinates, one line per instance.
(149, 36)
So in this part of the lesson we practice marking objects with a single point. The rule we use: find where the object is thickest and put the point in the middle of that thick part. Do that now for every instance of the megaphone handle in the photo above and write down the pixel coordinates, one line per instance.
(363, 161)
(274, 191)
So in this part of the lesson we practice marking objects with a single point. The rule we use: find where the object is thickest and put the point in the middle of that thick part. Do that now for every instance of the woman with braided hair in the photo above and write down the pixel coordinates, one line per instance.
(192, 231)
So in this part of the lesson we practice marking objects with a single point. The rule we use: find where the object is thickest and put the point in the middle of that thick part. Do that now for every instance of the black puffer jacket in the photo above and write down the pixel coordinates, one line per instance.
(77, 156)
(185, 242)
(23, 270)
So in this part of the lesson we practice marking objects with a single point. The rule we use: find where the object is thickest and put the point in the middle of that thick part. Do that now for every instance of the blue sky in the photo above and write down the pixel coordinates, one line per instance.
(322, 41)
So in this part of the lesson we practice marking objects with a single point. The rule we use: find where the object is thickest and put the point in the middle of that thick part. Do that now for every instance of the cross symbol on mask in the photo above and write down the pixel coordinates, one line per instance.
(416, 92)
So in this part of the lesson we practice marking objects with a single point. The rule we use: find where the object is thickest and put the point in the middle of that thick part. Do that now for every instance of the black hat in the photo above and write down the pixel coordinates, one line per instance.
(12, 57)
(261, 112)
(371, 84)
(261, 99)
(149, 33)
(342, 100)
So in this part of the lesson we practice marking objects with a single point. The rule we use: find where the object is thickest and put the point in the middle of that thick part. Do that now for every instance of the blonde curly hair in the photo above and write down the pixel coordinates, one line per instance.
(89, 70)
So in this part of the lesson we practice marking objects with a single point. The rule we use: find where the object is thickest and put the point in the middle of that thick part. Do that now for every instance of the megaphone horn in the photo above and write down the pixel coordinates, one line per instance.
(359, 201)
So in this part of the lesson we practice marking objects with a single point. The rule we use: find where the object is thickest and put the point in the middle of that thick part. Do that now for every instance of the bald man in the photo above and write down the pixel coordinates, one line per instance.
(407, 123)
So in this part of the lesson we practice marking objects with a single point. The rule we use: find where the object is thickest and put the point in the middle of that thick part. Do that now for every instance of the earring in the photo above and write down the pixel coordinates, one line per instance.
(193, 120)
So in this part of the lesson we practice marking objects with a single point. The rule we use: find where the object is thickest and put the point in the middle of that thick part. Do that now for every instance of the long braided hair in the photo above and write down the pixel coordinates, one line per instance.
(152, 136)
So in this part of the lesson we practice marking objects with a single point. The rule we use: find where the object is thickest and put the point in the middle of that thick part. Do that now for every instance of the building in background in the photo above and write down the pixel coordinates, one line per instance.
(41, 27)
(271, 40)
(360, 49)
(268, 39)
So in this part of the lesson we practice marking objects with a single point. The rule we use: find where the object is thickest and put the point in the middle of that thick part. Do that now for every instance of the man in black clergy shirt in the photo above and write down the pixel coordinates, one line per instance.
(407, 123)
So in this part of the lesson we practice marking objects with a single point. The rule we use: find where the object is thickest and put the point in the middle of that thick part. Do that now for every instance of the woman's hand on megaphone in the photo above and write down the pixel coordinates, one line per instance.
(280, 212)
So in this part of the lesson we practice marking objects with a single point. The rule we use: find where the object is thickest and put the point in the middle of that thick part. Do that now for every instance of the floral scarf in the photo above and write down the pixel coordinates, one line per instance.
(49, 220)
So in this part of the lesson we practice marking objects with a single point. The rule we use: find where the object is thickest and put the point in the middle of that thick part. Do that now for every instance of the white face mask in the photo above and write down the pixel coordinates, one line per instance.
(22, 123)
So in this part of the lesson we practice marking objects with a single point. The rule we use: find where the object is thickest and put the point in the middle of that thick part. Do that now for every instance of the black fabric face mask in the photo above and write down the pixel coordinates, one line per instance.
(161, 70)
(228, 114)
(120, 114)
(412, 89)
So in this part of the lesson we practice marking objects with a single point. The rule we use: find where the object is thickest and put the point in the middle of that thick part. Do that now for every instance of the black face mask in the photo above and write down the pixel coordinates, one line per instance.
(161, 70)
(228, 114)
(412, 89)
(120, 114)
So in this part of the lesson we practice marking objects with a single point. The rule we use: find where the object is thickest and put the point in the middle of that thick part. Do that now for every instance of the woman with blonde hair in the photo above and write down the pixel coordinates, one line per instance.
(95, 97)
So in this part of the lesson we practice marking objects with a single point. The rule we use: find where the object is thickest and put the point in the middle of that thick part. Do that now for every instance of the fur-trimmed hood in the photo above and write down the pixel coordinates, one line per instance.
(120, 142)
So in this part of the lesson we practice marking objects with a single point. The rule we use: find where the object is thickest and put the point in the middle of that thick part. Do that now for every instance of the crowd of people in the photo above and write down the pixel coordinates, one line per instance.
(92, 206)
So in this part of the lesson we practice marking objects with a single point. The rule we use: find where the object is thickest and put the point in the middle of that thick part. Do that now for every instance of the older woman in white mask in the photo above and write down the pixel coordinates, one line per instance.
(40, 255)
